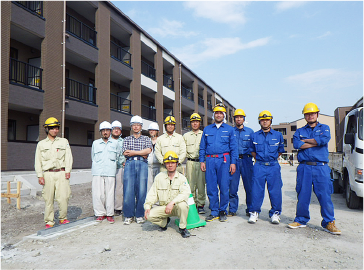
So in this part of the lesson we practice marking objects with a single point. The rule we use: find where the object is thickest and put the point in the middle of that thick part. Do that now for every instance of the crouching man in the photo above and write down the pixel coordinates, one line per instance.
(172, 191)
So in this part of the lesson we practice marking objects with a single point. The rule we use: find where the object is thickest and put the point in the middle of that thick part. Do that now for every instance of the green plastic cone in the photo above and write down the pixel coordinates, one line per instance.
(193, 219)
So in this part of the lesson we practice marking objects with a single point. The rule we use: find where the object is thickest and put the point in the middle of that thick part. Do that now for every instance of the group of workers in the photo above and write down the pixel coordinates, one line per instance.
(142, 177)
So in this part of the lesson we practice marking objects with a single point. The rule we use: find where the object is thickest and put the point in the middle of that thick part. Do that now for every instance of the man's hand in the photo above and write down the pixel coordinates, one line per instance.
(41, 181)
(68, 175)
(146, 214)
(203, 166)
(169, 208)
(129, 153)
(232, 169)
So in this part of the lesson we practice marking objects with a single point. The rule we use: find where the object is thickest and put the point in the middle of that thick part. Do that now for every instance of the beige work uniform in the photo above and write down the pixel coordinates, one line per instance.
(54, 155)
(195, 176)
(174, 143)
(164, 191)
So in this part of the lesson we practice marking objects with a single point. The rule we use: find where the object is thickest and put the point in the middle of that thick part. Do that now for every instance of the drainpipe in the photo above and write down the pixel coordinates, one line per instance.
(180, 96)
(63, 69)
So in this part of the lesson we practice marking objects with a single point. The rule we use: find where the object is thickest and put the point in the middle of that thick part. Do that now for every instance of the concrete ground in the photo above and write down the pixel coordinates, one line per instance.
(234, 244)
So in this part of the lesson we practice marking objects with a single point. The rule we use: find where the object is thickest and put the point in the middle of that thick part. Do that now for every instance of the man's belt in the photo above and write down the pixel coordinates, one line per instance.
(55, 170)
(221, 155)
(313, 163)
(267, 163)
(243, 156)
(136, 158)
(193, 159)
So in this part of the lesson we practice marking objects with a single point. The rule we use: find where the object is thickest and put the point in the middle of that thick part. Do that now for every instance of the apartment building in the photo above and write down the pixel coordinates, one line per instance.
(288, 130)
(85, 62)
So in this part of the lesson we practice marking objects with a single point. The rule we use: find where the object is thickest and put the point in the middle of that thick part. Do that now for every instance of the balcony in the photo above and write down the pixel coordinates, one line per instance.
(186, 124)
(25, 74)
(81, 30)
(187, 93)
(168, 82)
(120, 54)
(209, 105)
(148, 70)
(149, 112)
(80, 91)
(32, 6)
(120, 104)
(201, 102)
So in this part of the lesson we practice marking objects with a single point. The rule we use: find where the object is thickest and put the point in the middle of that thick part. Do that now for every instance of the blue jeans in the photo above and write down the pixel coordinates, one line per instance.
(272, 175)
(135, 188)
(217, 179)
(319, 178)
(244, 167)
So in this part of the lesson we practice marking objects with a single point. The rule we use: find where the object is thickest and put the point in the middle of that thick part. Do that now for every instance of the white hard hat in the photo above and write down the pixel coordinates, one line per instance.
(105, 125)
(153, 126)
(115, 124)
(136, 120)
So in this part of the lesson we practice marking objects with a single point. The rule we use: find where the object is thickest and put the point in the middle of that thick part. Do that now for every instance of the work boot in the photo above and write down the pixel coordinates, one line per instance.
(296, 225)
(64, 221)
(331, 228)
(211, 218)
(184, 232)
(222, 216)
(275, 218)
(201, 210)
(253, 217)
(118, 212)
(110, 219)
(231, 214)
(162, 229)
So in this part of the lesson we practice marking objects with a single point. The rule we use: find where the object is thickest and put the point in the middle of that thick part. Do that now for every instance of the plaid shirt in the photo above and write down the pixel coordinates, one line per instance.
(137, 144)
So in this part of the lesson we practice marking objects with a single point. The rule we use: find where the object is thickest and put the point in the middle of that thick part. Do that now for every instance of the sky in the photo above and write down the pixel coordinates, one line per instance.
(274, 56)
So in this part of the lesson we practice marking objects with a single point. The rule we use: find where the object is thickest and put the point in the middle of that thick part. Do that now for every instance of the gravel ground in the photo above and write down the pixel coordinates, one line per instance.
(234, 244)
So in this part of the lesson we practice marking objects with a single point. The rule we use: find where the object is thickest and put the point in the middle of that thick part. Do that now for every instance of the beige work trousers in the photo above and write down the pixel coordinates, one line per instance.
(153, 170)
(103, 188)
(158, 214)
(56, 186)
(196, 179)
(119, 189)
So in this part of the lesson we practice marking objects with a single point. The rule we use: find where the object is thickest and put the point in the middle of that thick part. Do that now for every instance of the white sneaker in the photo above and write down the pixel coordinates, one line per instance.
(253, 217)
(140, 220)
(128, 221)
(275, 218)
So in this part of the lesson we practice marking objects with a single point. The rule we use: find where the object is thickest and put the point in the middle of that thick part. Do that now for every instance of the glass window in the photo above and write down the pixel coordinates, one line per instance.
(11, 130)
(360, 125)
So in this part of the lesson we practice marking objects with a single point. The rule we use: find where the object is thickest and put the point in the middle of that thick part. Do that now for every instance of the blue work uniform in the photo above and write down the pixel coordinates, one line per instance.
(244, 168)
(316, 173)
(267, 147)
(219, 148)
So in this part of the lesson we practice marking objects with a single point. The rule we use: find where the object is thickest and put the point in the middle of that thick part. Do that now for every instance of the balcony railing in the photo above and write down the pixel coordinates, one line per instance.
(148, 70)
(148, 112)
(168, 82)
(209, 105)
(81, 30)
(187, 93)
(120, 54)
(26, 74)
(186, 124)
(80, 91)
(120, 104)
(201, 102)
(34, 6)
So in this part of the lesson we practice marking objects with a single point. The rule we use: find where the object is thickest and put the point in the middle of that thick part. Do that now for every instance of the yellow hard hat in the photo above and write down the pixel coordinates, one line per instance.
(310, 108)
(170, 120)
(265, 115)
(220, 108)
(170, 156)
(52, 122)
(239, 112)
(195, 117)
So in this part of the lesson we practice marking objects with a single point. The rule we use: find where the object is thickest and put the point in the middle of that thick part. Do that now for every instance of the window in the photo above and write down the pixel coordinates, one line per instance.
(13, 53)
(293, 128)
(67, 133)
(281, 130)
(33, 133)
(11, 130)
(285, 142)
(90, 137)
